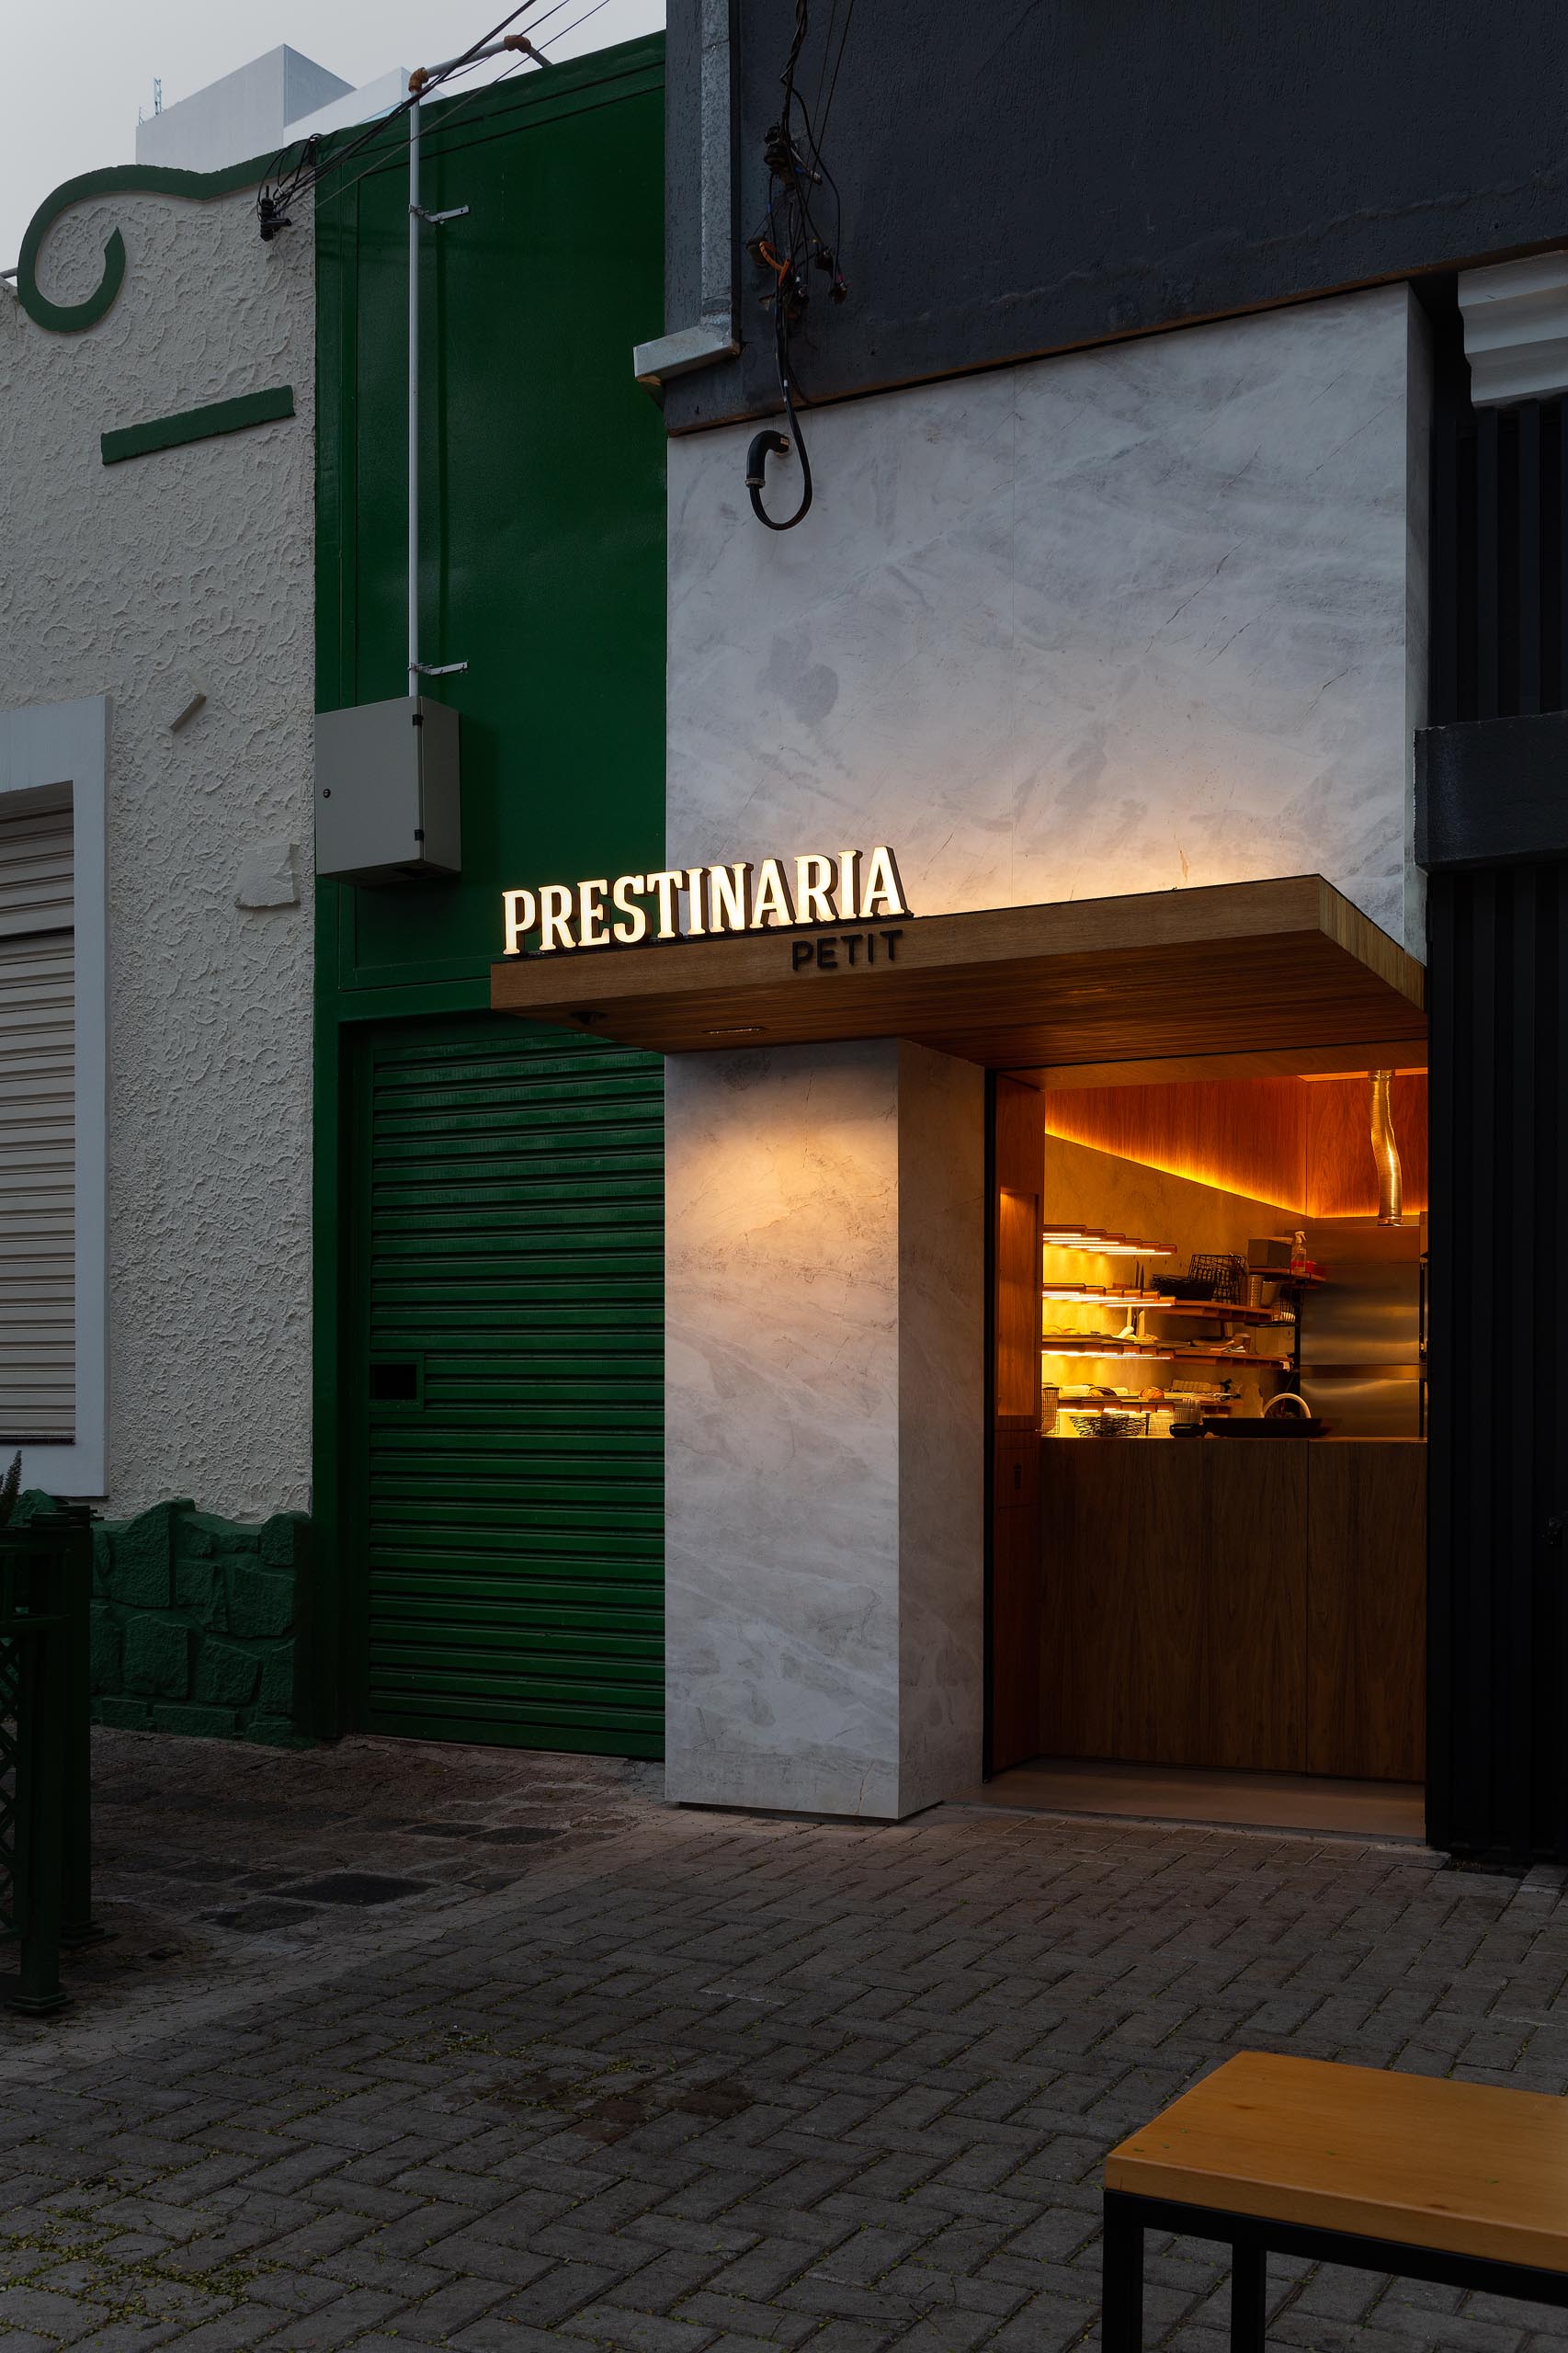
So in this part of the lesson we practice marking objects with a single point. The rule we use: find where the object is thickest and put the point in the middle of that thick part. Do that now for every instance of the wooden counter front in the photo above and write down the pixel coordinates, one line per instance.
(1259, 1605)
(1367, 1607)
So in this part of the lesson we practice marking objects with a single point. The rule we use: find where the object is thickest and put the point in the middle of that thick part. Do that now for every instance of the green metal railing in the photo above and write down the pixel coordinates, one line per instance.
(45, 1790)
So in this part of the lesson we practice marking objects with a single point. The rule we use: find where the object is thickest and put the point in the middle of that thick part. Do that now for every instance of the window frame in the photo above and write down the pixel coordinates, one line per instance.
(51, 752)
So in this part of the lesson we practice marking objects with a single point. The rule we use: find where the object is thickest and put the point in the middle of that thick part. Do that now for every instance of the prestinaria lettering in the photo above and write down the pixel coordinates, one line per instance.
(699, 901)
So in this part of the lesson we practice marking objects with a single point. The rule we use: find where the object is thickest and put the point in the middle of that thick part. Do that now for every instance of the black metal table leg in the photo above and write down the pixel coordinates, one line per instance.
(1128, 2214)
(1249, 2295)
(1121, 2312)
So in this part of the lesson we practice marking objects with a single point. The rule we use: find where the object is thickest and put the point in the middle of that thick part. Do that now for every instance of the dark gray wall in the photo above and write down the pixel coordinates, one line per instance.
(1024, 175)
(1491, 831)
(1497, 1462)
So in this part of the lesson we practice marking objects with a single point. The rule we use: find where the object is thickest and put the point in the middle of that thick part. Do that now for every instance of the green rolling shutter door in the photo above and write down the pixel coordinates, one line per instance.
(512, 1256)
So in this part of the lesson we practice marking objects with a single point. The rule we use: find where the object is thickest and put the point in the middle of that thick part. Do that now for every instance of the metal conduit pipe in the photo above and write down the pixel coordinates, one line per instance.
(518, 43)
(1385, 1150)
(419, 82)
(414, 219)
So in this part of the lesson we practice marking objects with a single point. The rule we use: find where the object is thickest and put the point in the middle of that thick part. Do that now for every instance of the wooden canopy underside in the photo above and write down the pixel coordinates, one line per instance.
(1242, 967)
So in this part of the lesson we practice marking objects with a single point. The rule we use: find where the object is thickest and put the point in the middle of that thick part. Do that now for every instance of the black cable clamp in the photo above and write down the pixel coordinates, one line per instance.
(771, 443)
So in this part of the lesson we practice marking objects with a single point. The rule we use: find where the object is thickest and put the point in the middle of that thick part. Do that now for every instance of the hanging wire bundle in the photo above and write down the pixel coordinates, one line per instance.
(790, 246)
(274, 196)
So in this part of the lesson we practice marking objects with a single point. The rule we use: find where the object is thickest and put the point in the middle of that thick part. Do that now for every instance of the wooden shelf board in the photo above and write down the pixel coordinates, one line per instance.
(1114, 1249)
(1083, 1345)
(1101, 1295)
(1260, 1315)
(1067, 1292)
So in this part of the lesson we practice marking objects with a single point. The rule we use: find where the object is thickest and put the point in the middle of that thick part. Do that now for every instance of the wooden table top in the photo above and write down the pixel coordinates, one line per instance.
(1471, 2168)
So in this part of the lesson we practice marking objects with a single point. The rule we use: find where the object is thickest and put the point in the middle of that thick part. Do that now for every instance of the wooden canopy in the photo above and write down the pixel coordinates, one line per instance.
(1238, 967)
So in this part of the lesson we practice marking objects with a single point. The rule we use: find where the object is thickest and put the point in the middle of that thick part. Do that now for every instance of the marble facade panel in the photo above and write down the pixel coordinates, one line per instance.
(1130, 619)
(824, 1223)
(781, 1429)
(941, 1374)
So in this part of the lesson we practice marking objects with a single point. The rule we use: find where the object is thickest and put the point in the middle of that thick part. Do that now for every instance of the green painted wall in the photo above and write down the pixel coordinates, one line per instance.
(543, 568)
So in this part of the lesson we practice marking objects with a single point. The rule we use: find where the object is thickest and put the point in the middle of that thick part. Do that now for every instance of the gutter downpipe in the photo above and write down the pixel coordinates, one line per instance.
(414, 218)
(418, 81)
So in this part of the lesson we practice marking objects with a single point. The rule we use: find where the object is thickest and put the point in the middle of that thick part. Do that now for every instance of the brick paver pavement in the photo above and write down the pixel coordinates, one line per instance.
(700, 2083)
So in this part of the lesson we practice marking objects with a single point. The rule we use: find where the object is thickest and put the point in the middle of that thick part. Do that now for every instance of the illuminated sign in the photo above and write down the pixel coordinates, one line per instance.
(700, 902)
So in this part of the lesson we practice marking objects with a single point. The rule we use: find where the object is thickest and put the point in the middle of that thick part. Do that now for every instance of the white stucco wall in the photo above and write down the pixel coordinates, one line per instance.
(1130, 619)
(187, 571)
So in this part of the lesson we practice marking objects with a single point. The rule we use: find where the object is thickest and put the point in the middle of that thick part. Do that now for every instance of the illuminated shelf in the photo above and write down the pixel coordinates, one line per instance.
(1101, 1295)
(1131, 1402)
(1083, 1345)
(1099, 1242)
(1095, 1295)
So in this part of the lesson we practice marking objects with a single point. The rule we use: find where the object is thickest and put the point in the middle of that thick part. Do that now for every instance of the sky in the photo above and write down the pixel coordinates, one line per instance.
(78, 74)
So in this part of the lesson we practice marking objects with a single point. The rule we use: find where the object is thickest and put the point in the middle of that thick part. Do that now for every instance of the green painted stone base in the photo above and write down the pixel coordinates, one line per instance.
(195, 1621)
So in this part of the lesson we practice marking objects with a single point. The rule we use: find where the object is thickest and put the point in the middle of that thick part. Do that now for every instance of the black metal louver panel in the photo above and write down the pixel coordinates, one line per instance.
(1498, 1732)
(1499, 561)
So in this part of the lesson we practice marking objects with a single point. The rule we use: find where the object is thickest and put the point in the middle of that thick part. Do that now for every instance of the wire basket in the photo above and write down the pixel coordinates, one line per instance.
(1227, 1273)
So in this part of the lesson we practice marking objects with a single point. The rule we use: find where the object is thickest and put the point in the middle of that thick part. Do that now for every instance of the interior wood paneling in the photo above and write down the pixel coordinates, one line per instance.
(1342, 1177)
(1254, 1629)
(1289, 1062)
(1367, 1625)
(1018, 1175)
(1243, 1135)
(1018, 1305)
(1016, 1616)
(1123, 1573)
(1302, 1144)
(1238, 967)
(1015, 1470)
(1016, 1214)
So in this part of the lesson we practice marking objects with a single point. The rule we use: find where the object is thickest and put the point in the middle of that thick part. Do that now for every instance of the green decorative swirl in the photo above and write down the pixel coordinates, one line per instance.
(128, 179)
(546, 91)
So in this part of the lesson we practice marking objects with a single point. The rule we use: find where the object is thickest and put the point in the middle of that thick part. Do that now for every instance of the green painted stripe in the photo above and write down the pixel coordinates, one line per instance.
(198, 424)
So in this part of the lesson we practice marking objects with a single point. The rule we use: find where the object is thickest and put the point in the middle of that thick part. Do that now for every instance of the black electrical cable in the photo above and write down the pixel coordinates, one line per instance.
(534, 54)
(769, 442)
(791, 245)
(272, 203)
(833, 86)
(826, 47)
(432, 152)
(437, 144)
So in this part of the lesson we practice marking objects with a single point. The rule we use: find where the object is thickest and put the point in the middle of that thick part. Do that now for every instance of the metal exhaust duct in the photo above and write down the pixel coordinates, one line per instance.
(1385, 1152)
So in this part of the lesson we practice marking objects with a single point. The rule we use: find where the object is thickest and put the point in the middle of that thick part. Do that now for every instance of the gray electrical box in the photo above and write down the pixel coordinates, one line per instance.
(388, 807)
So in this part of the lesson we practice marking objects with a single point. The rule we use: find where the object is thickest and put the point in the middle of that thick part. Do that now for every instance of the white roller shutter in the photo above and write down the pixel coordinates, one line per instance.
(38, 1169)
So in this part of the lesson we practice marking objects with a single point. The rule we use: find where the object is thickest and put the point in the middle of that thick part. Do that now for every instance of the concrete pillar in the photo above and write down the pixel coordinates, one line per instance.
(824, 1428)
